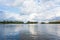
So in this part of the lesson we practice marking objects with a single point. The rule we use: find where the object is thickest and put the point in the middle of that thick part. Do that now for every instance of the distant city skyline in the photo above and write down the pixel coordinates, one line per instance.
(30, 10)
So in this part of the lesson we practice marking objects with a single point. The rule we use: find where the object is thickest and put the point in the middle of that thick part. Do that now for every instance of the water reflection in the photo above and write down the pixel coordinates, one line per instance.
(33, 29)
(29, 31)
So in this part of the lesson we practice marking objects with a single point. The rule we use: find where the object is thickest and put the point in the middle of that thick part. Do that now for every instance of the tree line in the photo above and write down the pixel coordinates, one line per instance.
(29, 22)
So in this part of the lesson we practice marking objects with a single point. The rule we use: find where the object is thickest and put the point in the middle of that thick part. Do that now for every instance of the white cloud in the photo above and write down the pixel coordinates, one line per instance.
(33, 10)
(15, 16)
(11, 2)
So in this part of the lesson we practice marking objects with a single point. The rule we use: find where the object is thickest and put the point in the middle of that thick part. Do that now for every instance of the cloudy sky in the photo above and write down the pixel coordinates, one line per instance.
(29, 10)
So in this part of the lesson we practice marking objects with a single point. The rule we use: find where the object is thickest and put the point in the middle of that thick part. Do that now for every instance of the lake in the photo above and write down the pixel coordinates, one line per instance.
(29, 31)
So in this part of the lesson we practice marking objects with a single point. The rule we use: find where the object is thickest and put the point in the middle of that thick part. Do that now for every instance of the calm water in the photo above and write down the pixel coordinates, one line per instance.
(29, 31)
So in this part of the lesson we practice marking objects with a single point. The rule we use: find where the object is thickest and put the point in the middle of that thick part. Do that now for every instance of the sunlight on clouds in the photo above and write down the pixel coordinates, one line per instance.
(32, 16)
(57, 11)
(32, 9)
(29, 7)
